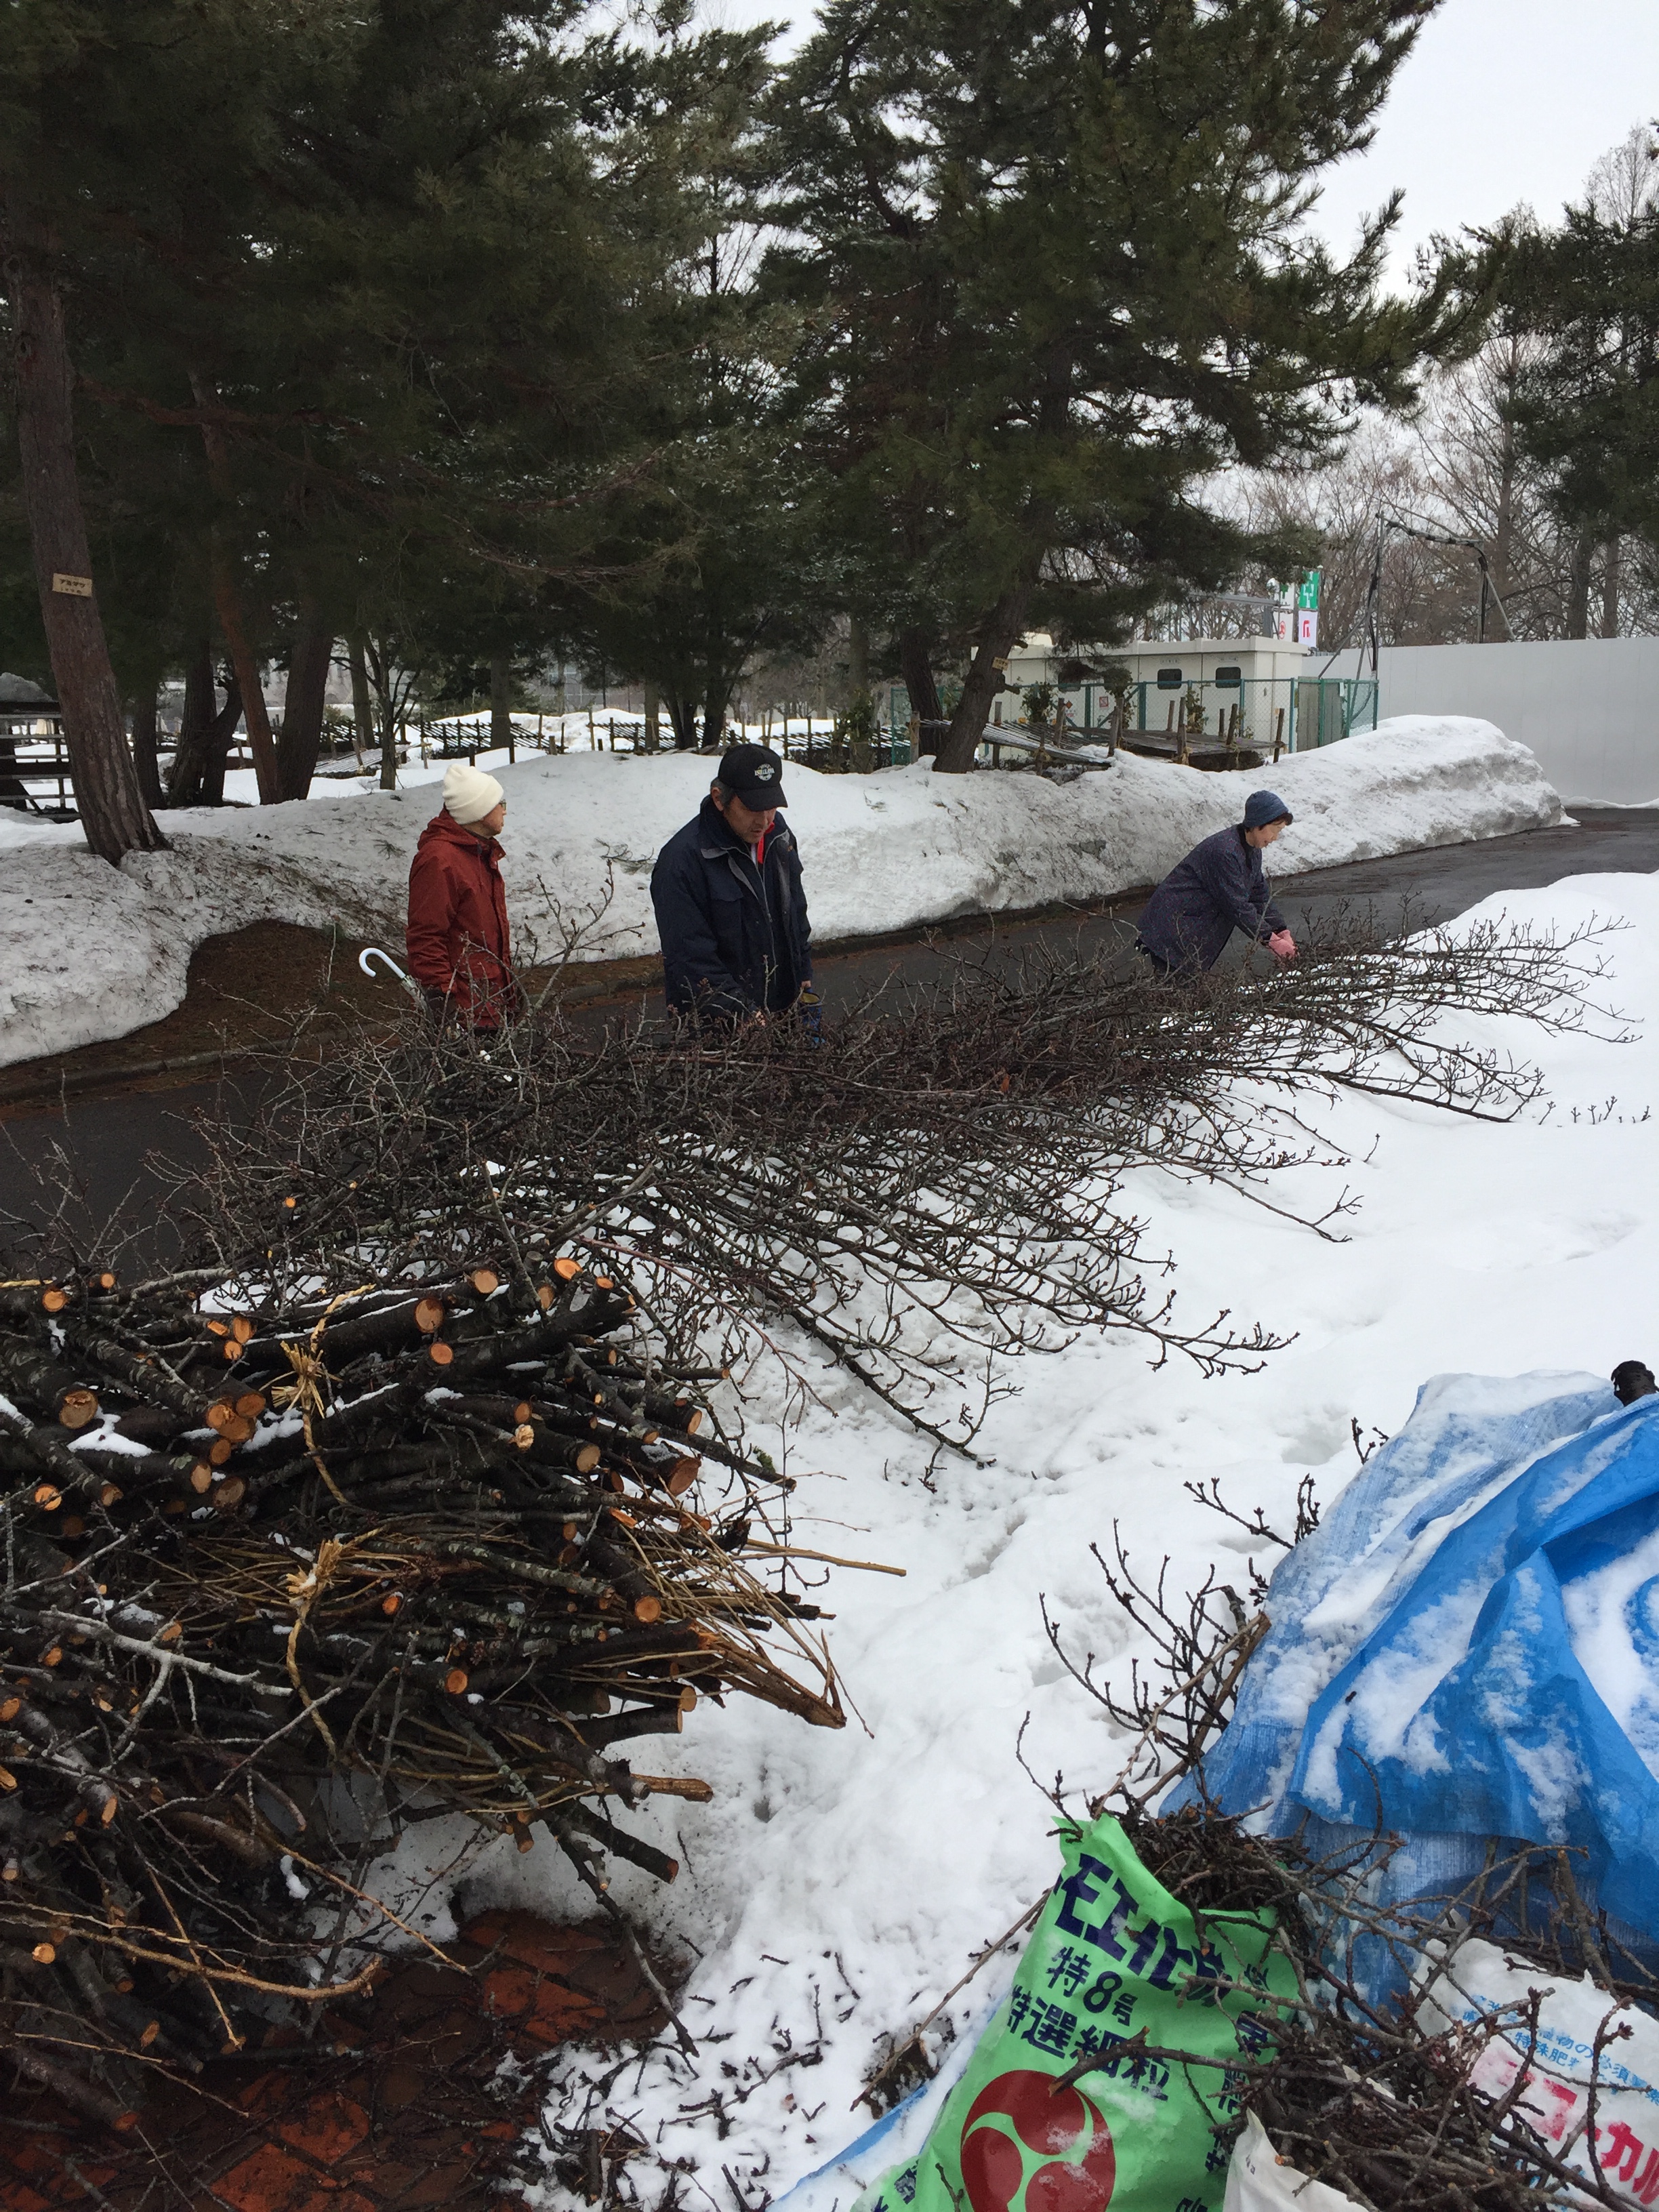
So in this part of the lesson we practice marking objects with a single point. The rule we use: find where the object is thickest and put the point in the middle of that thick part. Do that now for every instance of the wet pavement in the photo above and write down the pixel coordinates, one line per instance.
(1399, 891)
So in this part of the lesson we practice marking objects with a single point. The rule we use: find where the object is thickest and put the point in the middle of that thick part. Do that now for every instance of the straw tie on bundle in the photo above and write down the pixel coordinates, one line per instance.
(305, 1590)
(306, 1392)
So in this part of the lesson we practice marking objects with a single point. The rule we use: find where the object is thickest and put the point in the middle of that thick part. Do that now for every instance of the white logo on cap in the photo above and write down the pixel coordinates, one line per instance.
(764, 772)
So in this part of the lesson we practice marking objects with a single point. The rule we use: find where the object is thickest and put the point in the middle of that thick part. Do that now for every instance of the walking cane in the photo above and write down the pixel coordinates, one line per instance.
(376, 952)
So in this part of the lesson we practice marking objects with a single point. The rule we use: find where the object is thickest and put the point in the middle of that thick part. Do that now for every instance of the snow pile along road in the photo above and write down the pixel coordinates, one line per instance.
(839, 1884)
(87, 952)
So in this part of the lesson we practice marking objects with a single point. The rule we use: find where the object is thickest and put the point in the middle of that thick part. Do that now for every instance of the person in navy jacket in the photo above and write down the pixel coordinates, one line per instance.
(1219, 887)
(731, 910)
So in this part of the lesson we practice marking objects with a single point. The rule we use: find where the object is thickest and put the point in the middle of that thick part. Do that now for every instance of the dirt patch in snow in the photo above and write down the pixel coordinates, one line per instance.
(242, 993)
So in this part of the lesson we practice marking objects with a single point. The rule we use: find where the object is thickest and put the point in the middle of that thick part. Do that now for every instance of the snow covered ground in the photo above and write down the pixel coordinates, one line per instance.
(839, 1883)
(89, 952)
(572, 733)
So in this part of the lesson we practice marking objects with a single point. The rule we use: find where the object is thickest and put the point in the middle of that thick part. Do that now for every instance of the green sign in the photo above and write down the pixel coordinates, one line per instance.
(1117, 1974)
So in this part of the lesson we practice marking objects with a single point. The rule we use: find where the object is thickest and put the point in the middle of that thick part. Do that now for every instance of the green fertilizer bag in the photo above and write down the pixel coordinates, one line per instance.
(1115, 1971)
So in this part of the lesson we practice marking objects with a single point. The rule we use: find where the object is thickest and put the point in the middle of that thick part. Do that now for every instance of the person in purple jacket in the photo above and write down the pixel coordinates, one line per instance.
(1219, 887)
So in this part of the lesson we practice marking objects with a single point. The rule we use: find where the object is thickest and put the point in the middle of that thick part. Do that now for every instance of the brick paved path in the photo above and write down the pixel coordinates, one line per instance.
(399, 2104)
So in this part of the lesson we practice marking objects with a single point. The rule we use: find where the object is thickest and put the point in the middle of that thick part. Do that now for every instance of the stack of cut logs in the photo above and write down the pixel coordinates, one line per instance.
(282, 1578)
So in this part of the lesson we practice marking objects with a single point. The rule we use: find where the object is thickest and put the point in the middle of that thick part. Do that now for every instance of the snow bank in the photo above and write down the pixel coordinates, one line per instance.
(86, 953)
(840, 1882)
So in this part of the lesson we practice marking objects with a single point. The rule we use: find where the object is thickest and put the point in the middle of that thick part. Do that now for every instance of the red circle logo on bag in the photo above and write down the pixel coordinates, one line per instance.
(1028, 2147)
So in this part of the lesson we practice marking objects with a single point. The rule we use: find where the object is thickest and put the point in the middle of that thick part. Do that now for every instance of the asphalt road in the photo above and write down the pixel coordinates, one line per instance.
(91, 1158)
(104, 1142)
(1405, 889)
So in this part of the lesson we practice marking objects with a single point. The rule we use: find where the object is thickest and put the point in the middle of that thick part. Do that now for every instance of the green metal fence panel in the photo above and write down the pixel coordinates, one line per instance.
(1330, 707)
(1273, 715)
(1258, 713)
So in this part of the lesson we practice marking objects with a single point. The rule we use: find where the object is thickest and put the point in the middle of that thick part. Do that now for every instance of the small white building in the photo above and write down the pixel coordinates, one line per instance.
(1249, 683)
(1257, 692)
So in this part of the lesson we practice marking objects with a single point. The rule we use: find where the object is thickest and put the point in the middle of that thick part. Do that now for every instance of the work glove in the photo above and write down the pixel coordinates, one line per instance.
(1282, 944)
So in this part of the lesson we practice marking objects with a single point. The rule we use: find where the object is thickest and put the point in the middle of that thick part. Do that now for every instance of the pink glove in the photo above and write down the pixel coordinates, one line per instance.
(1282, 944)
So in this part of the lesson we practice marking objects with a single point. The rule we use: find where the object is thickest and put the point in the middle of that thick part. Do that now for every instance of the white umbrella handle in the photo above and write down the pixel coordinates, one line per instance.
(376, 952)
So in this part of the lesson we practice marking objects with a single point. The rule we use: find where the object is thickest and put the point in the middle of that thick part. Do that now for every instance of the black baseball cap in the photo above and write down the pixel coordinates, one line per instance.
(753, 773)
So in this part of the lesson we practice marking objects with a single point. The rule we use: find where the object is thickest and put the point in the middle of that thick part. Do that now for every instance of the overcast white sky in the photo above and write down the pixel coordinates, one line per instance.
(1502, 100)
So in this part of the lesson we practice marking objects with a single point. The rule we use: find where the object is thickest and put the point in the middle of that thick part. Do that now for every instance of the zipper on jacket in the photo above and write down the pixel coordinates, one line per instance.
(759, 888)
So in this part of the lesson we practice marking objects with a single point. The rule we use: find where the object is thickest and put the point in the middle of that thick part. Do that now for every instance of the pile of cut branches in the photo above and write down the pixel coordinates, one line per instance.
(283, 1575)
(379, 1527)
(931, 1186)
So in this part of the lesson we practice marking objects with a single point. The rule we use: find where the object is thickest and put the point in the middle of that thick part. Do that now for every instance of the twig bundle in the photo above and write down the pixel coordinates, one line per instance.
(283, 1578)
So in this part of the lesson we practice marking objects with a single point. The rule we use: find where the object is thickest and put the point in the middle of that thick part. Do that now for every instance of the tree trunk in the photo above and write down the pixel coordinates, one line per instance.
(916, 667)
(381, 669)
(222, 729)
(198, 765)
(683, 720)
(301, 739)
(112, 806)
(1004, 623)
(145, 760)
(195, 730)
(261, 744)
(714, 715)
(500, 711)
(652, 736)
(1578, 587)
(858, 654)
(227, 602)
(1000, 633)
(1610, 579)
(1502, 547)
(860, 712)
(362, 706)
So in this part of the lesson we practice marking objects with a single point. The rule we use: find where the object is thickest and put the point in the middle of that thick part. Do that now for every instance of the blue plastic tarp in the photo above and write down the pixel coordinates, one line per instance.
(1469, 1645)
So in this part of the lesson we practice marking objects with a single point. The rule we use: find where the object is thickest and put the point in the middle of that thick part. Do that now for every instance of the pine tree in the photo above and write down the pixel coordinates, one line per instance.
(1051, 262)
(716, 554)
(376, 328)
(115, 252)
(113, 808)
(1587, 400)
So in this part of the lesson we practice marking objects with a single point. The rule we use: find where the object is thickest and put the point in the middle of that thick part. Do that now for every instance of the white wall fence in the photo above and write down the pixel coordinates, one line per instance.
(1588, 707)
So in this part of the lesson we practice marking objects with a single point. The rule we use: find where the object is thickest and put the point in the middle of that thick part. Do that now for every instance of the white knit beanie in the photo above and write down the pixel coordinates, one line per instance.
(469, 793)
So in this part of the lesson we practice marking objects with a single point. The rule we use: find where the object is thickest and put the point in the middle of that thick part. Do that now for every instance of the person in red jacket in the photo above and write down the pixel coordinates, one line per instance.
(459, 951)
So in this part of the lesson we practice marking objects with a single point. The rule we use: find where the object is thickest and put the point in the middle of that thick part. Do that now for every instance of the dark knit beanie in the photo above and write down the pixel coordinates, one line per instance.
(1262, 807)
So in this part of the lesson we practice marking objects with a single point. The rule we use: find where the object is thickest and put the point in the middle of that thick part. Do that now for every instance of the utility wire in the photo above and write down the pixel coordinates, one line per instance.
(1371, 632)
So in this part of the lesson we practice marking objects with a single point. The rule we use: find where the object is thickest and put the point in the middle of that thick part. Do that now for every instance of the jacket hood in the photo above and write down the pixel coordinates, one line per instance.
(444, 828)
